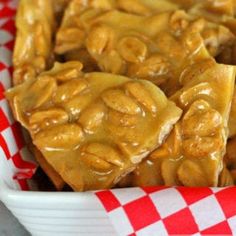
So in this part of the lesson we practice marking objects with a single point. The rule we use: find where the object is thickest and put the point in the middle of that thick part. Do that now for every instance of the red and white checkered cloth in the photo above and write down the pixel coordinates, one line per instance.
(137, 211)
(12, 150)
(171, 211)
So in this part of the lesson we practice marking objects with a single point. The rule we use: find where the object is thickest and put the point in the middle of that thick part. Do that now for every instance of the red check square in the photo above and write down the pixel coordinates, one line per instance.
(10, 45)
(1, 91)
(23, 184)
(153, 189)
(226, 198)
(3, 121)
(2, 66)
(10, 26)
(4, 146)
(108, 199)
(7, 12)
(181, 222)
(192, 195)
(19, 162)
(141, 212)
(219, 229)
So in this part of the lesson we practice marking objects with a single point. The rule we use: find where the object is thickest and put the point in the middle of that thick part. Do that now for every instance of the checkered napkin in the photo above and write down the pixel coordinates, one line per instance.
(13, 152)
(135, 211)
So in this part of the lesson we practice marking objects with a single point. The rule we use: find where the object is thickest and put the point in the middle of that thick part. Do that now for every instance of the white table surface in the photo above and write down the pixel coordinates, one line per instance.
(9, 225)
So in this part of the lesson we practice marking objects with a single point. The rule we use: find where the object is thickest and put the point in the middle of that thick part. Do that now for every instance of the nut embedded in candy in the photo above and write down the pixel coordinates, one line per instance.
(35, 25)
(96, 145)
(93, 129)
(144, 46)
(192, 155)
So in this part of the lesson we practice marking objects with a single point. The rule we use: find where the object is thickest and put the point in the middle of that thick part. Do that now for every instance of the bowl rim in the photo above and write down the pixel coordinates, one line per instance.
(13, 197)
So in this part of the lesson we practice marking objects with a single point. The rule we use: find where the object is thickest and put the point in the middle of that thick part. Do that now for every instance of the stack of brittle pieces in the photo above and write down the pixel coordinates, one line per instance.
(122, 93)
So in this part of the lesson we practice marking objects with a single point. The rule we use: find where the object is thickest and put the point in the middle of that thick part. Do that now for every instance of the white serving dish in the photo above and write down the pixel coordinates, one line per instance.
(56, 213)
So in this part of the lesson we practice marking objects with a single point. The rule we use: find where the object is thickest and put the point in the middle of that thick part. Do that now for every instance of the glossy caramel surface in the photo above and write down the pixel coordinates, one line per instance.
(128, 92)
(35, 24)
(193, 153)
(141, 45)
(92, 128)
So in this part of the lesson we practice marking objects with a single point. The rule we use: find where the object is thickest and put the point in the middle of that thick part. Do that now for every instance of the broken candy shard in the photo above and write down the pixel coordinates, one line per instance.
(193, 153)
(96, 132)
(35, 25)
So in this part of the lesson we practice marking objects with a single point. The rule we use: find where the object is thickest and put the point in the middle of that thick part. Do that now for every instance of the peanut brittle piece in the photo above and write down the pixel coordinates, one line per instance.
(33, 46)
(218, 11)
(82, 55)
(71, 35)
(225, 178)
(230, 158)
(59, 6)
(145, 7)
(143, 47)
(232, 116)
(55, 178)
(193, 153)
(33, 53)
(220, 7)
(84, 14)
(92, 128)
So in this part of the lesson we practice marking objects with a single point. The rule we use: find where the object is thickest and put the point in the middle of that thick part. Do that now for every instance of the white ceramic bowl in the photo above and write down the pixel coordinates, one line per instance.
(57, 213)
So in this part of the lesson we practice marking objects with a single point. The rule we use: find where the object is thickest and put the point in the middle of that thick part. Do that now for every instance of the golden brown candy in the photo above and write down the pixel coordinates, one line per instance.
(33, 47)
(56, 179)
(101, 138)
(35, 23)
(71, 35)
(92, 117)
(225, 178)
(192, 154)
(190, 174)
(230, 156)
(80, 14)
(230, 160)
(217, 11)
(59, 7)
(232, 116)
(104, 127)
(82, 55)
(233, 175)
(142, 45)
(50, 117)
